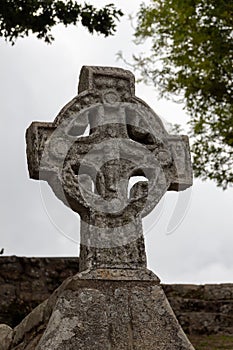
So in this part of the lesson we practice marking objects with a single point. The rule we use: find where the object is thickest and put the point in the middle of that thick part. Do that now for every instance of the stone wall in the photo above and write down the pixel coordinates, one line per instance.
(203, 309)
(26, 282)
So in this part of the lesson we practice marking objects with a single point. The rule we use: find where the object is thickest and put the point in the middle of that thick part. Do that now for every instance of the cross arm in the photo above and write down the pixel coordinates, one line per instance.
(36, 136)
(182, 176)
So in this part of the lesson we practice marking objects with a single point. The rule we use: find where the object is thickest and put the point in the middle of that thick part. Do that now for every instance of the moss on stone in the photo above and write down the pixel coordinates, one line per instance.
(212, 342)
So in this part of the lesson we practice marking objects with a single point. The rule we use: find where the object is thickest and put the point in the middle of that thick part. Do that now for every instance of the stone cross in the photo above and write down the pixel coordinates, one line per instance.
(99, 143)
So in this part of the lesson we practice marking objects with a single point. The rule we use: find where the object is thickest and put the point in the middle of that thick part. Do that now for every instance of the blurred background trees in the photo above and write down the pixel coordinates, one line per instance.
(19, 18)
(191, 61)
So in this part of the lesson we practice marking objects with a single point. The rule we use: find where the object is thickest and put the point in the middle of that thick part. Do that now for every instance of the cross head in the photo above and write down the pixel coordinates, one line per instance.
(109, 158)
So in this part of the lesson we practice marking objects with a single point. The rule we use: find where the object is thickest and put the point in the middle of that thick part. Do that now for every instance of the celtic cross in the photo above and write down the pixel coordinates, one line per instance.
(99, 142)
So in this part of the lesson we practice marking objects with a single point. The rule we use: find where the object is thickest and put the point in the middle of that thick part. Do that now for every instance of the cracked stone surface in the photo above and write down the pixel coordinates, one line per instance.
(114, 312)
(105, 315)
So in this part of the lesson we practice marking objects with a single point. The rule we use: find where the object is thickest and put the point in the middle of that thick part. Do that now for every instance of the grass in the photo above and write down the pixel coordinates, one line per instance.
(212, 342)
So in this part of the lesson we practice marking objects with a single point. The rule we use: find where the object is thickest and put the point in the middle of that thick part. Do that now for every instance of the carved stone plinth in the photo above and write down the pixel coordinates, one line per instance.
(117, 311)
(103, 309)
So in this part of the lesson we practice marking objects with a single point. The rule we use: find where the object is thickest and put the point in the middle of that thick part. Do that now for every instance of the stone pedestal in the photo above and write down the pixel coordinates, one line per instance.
(113, 309)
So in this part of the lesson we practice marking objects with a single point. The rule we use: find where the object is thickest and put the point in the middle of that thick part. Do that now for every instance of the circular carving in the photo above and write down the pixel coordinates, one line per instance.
(94, 172)
(164, 157)
(110, 97)
(58, 148)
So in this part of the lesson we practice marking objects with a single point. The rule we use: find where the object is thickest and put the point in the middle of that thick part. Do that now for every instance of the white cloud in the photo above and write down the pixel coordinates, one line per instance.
(36, 81)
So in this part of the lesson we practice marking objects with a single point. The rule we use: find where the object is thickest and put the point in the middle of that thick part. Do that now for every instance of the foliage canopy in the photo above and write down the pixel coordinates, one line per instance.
(191, 58)
(20, 17)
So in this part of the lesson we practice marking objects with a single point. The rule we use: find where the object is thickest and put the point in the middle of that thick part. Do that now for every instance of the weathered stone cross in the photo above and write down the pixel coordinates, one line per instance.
(91, 173)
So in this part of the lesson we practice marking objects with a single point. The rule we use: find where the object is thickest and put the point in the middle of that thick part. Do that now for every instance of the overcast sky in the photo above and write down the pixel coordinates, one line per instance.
(188, 237)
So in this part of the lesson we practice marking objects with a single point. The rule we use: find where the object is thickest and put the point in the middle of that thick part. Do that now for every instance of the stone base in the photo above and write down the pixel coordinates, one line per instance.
(113, 309)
